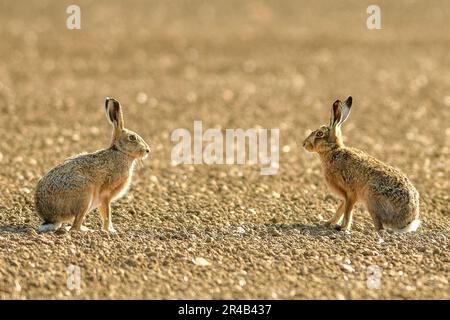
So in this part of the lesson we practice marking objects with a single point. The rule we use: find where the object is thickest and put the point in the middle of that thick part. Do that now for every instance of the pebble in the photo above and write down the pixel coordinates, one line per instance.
(131, 262)
(347, 268)
(240, 230)
(202, 262)
(286, 149)
(17, 286)
(153, 179)
(141, 98)
(94, 131)
(25, 190)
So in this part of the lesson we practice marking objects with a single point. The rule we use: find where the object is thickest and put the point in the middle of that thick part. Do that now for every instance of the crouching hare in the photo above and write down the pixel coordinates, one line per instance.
(82, 183)
(353, 175)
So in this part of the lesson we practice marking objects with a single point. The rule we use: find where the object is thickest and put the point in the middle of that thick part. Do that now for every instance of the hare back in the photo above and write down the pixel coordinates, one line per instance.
(77, 184)
(355, 172)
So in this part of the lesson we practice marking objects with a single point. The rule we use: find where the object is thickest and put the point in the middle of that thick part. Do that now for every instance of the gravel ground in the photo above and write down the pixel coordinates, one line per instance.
(202, 232)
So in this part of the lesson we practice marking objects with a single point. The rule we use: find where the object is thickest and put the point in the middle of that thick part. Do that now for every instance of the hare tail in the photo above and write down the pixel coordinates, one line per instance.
(411, 227)
(47, 226)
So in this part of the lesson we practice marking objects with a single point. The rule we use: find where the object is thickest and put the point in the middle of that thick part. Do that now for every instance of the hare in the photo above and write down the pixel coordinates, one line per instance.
(353, 175)
(87, 181)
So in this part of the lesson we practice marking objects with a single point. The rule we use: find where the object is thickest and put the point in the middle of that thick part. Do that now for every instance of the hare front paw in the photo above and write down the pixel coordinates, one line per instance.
(344, 228)
(80, 229)
(110, 230)
(331, 224)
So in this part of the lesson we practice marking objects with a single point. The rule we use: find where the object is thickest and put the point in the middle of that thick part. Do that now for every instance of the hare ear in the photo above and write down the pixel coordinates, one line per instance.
(335, 113)
(114, 113)
(345, 110)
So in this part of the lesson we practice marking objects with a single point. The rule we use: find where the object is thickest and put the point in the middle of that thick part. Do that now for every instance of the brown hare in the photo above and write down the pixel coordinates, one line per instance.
(354, 176)
(87, 181)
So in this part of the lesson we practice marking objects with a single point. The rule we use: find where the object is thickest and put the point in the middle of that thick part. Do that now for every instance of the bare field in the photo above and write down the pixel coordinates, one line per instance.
(216, 232)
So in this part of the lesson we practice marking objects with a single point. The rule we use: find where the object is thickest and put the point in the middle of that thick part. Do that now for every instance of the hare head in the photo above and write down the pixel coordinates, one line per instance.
(123, 139)
(329, 137)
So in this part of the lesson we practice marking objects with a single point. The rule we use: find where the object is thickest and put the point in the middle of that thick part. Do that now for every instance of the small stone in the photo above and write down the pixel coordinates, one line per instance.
(240, 230)
(141, 97)
(94, 131)
(32, 232)
(286, 149)
(275, 232)
(154, 179)
(17, 286)
(25, 190)
(340, 296)
(202, 262)
(131, 262)
(276, 195)
(347, 268)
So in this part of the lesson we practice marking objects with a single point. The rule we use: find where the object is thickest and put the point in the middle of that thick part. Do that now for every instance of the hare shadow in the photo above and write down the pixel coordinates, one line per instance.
(16, 229)
(314, 230)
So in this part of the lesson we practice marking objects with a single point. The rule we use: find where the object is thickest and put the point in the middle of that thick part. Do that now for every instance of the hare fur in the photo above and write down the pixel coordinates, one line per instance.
(353, 175)
(82, 183)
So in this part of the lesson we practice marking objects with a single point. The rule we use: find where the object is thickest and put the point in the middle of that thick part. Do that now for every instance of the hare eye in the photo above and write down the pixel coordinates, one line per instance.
(132, 137)
(319, 134)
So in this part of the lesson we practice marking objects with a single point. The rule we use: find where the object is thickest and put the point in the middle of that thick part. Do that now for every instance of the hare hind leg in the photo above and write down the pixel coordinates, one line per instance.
(376, 210)
(336, 219)
(80, 212)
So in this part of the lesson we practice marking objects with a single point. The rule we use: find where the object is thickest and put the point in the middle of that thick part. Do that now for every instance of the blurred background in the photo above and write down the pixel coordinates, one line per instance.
(230, 64)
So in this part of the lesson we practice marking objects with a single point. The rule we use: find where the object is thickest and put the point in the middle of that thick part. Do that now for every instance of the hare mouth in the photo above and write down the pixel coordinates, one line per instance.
(308, 145)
